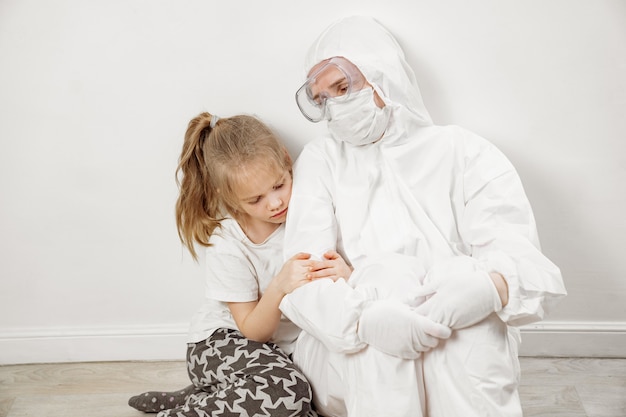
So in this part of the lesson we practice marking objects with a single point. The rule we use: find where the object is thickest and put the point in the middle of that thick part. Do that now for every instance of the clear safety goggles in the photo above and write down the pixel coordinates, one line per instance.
(337, 78)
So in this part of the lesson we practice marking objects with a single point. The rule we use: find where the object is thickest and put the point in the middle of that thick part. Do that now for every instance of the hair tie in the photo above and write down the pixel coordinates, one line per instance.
(214, 120)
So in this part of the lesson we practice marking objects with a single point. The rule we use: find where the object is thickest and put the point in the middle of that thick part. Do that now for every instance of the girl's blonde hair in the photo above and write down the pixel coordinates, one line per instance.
(213, 161)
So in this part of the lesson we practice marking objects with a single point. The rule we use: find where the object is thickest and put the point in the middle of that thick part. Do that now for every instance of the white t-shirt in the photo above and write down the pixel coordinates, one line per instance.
(238, 270)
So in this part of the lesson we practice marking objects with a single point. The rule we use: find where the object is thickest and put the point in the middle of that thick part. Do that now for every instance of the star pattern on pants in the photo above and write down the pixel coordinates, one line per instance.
(234, 376)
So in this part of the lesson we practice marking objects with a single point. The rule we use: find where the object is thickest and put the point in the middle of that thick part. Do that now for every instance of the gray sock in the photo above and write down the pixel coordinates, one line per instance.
(155, 401)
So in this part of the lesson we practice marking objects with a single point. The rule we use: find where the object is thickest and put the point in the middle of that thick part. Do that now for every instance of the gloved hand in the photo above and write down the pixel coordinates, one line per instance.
(460, 300)
(397, 330)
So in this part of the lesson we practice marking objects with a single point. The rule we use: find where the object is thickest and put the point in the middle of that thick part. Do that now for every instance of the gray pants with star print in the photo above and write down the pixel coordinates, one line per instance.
(235, 376)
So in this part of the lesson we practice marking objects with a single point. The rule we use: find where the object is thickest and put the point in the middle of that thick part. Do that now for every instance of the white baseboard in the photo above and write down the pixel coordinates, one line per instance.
(168, 342)
(130, 343)
(574, 339)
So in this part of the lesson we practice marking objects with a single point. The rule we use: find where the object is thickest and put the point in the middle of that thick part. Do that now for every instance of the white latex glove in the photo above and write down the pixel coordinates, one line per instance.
(397, 330)
(460, 300)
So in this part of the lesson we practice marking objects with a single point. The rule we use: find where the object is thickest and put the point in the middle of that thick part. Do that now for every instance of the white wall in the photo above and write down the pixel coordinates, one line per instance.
(95, 97)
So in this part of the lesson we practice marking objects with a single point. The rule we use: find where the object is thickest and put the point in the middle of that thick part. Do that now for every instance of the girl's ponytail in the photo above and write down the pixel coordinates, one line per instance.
(197, 208)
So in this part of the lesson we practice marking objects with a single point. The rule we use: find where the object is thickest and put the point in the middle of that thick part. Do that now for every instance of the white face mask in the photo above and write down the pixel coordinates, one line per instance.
(357, 120)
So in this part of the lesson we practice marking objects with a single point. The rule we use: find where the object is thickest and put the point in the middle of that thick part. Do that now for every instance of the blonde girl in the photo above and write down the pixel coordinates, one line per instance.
(235, 182)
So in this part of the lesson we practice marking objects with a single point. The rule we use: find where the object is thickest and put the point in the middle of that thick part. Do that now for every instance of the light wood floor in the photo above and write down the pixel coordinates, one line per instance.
(550, 387)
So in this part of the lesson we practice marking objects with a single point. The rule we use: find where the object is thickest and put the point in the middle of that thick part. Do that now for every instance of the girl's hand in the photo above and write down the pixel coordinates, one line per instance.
(333, 267)
(293, 274)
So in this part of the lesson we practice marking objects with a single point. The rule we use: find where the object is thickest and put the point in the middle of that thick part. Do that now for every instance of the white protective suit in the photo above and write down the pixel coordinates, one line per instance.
(441, 195)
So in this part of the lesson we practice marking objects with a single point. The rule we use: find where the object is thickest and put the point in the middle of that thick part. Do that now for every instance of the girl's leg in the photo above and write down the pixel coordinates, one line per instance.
(237, 376)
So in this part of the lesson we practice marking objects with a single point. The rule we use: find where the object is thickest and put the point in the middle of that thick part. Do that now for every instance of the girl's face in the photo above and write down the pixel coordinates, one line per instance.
(264, 198)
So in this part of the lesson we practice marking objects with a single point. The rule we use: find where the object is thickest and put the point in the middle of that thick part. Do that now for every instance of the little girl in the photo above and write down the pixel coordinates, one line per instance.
(235, 185)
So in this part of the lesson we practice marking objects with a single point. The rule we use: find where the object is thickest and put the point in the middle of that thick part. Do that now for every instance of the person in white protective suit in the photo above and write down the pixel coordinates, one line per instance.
(438, 229)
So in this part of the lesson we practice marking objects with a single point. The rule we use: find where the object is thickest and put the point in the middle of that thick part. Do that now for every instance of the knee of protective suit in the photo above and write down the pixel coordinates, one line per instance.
(393, 276)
